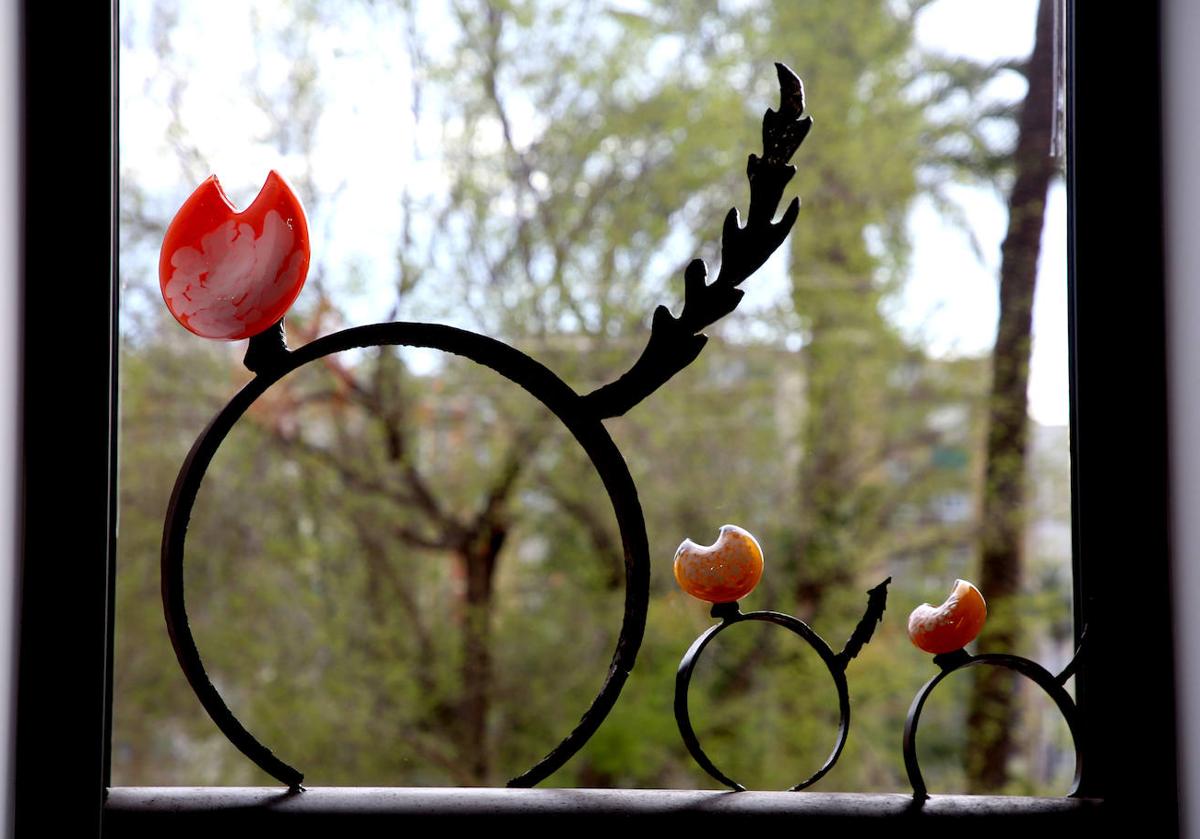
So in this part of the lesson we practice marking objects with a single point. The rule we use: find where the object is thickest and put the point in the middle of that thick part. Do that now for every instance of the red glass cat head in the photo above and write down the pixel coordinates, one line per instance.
(231, 275)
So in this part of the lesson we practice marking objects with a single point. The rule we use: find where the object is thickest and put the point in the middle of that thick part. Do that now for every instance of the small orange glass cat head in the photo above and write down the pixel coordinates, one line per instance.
(951, 626)
(725, 571)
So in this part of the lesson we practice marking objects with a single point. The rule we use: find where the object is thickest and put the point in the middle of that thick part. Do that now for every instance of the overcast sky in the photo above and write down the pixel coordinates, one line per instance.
(951, 295)
(949, 301)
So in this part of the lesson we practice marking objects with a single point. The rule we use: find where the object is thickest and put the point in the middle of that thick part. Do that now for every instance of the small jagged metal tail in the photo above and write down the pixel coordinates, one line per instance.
(876, 605)
(1073, 664)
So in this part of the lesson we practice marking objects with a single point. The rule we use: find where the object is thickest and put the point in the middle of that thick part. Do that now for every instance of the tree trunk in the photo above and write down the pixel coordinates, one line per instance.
(828, 485)
(477, 560)
(992, 706)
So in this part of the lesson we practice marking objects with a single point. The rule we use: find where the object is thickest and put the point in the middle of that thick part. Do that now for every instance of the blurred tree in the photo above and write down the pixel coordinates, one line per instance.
(868, 391)
(396, 565)
(993, 704)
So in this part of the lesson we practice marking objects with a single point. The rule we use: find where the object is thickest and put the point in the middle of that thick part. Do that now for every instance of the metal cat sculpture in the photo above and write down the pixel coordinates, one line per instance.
(945, 631)
(722, 574)
(230, 275)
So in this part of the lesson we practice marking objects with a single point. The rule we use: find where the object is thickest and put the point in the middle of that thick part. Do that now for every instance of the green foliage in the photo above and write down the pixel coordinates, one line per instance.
(586, 159)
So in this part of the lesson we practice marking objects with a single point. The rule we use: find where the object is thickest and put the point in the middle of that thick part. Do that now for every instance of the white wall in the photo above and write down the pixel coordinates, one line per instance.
(10, 343)
(1181, 108)
(10, 230)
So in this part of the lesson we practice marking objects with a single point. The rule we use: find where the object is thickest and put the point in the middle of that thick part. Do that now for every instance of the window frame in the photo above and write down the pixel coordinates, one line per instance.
(61, 713)
(1125, 684)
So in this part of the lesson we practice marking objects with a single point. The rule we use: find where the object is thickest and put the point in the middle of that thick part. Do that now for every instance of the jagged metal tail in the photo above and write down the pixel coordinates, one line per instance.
(876, 604)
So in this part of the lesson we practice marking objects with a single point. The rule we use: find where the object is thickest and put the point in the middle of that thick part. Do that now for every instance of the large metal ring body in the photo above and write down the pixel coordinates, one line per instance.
(683, 678)
(513, 365)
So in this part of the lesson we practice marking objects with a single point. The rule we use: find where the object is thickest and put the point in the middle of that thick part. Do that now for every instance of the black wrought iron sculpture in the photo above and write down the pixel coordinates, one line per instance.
(946, 631)
(189, 271)
(961, 659)
(730, 614)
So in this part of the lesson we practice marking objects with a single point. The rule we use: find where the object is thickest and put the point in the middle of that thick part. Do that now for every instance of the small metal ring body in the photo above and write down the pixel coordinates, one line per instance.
(513, 365)
(959, 660)
(687, 665)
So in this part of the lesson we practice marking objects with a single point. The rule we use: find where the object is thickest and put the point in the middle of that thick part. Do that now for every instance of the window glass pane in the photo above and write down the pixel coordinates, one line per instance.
(402, 570)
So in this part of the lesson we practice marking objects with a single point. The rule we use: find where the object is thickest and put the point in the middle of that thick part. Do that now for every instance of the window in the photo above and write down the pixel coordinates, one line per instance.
(63, 625)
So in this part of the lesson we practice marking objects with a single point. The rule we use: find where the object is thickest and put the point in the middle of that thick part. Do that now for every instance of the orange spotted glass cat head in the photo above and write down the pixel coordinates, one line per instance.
(951, 626)
(230, 275)
(723, 572)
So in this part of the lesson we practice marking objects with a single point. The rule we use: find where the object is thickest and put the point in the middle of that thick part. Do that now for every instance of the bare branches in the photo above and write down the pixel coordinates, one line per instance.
(352, 478)
(605, 546)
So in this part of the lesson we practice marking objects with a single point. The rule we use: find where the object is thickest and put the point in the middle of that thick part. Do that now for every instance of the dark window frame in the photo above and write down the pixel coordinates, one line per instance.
(62, 717)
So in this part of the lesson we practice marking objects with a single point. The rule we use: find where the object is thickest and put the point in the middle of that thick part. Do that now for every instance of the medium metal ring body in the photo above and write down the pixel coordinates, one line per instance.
(513, 365)
(959, 660)
(683, 678)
